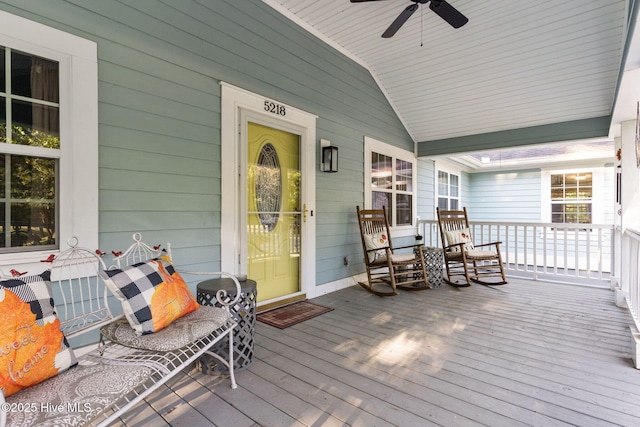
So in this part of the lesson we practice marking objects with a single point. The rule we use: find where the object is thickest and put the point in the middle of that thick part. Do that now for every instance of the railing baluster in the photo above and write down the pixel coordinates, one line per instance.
(535, 252)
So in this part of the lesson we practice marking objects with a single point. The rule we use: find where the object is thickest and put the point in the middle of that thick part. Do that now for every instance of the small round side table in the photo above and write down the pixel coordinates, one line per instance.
(243, 312)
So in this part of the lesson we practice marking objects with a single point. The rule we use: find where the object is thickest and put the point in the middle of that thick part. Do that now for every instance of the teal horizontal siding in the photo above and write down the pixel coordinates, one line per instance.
(504, 196)
(159, 66)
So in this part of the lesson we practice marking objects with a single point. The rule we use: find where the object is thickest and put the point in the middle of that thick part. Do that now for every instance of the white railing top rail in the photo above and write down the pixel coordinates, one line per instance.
(634, 234)
(529, 224)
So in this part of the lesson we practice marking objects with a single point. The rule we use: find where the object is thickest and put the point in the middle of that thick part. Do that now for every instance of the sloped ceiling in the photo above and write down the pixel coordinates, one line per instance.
(516, 65)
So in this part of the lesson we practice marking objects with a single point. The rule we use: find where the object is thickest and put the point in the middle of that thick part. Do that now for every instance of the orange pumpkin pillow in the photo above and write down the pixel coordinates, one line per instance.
(152, 294)
(32, 346)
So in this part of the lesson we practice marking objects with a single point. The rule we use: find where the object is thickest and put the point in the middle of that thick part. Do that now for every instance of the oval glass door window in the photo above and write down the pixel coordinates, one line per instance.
(268, 186)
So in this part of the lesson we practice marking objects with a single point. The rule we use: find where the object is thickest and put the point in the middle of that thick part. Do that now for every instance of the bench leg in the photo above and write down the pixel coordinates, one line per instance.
(232, 375)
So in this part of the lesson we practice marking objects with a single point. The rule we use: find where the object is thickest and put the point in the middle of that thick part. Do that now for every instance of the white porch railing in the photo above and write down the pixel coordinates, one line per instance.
(630, 272)
(576, 253)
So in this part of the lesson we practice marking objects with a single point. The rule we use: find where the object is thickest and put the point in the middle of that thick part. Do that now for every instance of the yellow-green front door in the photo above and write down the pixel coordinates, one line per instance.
(274, 216)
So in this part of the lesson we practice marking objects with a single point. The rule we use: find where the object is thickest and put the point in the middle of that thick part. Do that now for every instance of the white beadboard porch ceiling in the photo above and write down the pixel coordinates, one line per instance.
(515, 64)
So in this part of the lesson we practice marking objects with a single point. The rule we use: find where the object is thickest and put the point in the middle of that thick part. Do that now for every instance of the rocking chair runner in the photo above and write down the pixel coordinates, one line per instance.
(463, 258)
(385, 266)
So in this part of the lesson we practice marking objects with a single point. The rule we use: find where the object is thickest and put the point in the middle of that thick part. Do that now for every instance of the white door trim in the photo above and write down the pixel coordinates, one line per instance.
(238, 105)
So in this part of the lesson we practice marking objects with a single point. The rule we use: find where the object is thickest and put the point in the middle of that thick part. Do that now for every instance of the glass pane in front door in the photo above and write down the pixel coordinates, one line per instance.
(273, 211)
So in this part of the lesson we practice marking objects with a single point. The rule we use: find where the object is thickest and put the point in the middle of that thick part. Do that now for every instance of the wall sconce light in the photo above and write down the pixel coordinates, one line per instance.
(329, 157)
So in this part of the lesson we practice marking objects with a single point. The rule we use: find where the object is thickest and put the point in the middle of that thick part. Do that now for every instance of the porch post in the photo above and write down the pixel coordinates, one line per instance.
(630, 207)
(616, 238)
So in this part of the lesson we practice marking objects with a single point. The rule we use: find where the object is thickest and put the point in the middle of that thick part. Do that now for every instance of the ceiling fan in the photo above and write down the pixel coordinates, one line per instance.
(440, 7)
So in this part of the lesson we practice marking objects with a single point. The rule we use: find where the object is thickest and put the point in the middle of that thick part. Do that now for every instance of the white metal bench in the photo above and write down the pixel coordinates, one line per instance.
(125, 367)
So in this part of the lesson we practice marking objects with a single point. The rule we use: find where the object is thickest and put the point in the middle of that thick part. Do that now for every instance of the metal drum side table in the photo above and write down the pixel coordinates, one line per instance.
(433, 262)
(243, 312)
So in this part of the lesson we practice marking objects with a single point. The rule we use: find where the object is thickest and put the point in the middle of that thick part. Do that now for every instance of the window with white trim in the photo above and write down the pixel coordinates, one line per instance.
(571, 197)
(390, 181)
(29, 117)
(48, 140)
(577, 196)
(448, 191)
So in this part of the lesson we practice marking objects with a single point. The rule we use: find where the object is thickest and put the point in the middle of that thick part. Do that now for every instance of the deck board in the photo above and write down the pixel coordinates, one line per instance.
(523, 354)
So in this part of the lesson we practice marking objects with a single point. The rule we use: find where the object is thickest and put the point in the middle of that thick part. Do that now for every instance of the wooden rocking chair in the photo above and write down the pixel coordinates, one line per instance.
(464, 259)
(385, 266)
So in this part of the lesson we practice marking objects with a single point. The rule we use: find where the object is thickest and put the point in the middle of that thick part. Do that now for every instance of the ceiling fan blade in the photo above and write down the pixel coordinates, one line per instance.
(448, 13)
(400, 20)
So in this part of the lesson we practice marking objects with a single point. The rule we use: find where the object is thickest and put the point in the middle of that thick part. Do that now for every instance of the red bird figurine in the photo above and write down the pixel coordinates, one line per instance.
(49, 258)
(16, 273)
(116, 253)
(156, 247)
(100, 253)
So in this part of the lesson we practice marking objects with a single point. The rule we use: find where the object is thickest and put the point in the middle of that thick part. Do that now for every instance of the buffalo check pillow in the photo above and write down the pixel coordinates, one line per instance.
(32, 346)
(152, 294)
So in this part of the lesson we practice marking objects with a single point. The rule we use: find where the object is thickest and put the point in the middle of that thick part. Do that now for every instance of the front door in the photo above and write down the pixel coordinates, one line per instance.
(274, 212)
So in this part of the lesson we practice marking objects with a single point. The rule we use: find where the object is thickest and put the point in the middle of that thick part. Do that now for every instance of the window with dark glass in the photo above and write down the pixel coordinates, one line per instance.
(392, 187)
(29, 149)
(571, 198)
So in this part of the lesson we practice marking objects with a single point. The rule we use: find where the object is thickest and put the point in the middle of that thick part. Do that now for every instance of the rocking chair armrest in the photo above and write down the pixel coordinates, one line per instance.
(489, 244)
(449, 248)
(408, 246)
(381, 248)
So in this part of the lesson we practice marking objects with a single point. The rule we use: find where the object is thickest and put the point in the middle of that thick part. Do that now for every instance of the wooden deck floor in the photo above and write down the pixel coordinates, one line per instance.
(528, 353)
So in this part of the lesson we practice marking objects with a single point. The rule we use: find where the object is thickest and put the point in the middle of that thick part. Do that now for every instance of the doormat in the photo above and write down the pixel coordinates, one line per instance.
(292, 314)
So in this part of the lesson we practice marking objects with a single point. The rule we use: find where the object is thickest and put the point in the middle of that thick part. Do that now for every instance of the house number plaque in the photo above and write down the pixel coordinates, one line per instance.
(275, 108)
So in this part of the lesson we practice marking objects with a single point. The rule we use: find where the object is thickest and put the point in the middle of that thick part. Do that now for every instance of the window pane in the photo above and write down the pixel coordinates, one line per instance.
(3, 119)
(3, 72)
(2, 177)
(571, 193)
(35, 124)
(571, 213)
(404, 175)
(381, 171)
(584, 216)
(380, 199)
(570, 179)
(454, 204)
(453, 190)
(585, 193)
(557, 213)
(557, 180)
(443, 203)
(403, 209)
(34, 77)
(443, 183)
(557, 194)
(32, 201)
